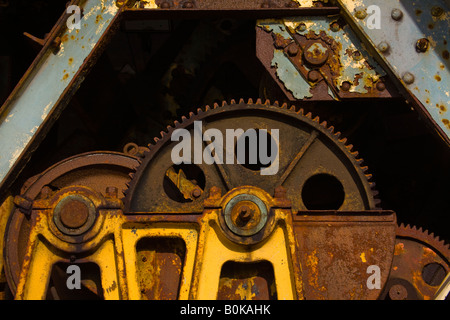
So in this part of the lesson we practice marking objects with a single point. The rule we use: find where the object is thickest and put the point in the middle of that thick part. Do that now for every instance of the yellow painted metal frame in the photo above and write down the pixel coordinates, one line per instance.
(111, 244)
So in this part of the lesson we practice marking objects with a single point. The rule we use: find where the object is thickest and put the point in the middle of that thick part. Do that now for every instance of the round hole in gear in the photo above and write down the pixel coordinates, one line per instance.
(433, 274)
(323, 192)
(181, 180)
(253, 152)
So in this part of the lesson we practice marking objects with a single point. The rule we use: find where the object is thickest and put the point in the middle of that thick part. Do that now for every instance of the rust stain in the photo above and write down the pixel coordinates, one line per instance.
(446, 122)
(399, 249)
(363, 257)
(70, 60)
(445, 54)
(72, 37)
(65, 76)
(312, 262)
(430, 26)
(437, 77)
(441, 66)
(418, 12)
(65, 38)
(98, 18)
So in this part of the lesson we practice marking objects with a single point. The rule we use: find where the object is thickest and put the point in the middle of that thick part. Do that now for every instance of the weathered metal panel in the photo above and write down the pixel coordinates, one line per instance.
(347, 61)
(413, 41)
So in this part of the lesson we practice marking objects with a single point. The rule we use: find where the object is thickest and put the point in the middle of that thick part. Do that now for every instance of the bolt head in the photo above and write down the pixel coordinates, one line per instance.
(345, 86)
(292, 50)
(398, 292)
(408, 77)
(380, 86)
(315, 52)
(422, 45)
(313, 76)
(292, 4)
(188, 5)
(383, 46)
(196, 193)
(74, 214)
(165, 5)
(301, 27)
(112, 192)
(356, 55)
(360, 13)
(335, 26)
(396, 14)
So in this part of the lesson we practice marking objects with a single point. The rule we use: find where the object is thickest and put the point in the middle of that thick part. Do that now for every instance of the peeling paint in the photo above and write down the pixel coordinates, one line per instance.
(289, 75)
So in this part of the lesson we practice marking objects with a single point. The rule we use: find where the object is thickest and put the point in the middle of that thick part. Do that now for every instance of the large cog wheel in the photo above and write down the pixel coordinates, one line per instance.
(319, 170)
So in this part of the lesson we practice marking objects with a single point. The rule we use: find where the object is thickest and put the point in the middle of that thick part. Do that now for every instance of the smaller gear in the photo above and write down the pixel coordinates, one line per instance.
(421, 262)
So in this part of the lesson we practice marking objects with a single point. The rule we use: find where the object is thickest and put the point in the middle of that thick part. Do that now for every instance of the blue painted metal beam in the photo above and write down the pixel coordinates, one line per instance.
(422, 69)
(42, 89)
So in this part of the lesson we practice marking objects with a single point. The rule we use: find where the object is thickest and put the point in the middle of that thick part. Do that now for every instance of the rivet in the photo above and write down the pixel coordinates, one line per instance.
(396, 14)
(408, 77)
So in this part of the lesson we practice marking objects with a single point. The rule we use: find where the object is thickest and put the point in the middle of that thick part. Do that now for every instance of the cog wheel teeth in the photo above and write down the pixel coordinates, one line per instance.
(232, 101)
(276, 104)
(292, 108)
(309, 115)
(267, 102)
(301, 112)
(324, 124)
(241, 101)
(284, 106)
(250, 101)
(258, 101)
(411, 231)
